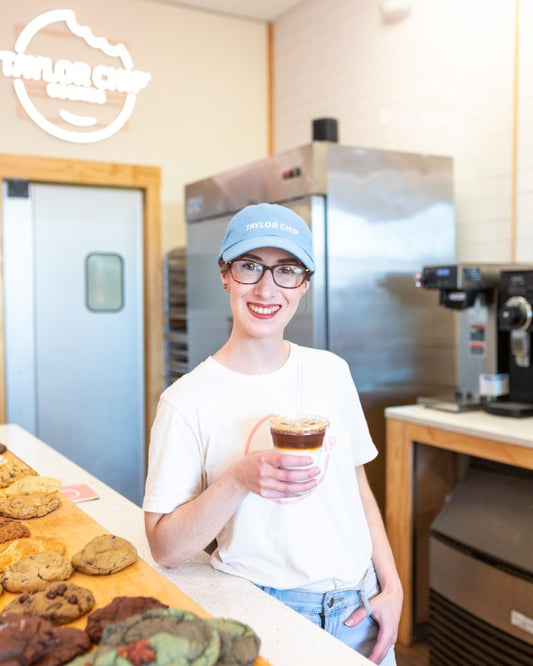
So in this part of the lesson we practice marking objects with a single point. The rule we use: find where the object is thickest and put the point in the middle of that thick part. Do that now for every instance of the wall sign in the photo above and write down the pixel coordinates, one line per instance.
(84, 98)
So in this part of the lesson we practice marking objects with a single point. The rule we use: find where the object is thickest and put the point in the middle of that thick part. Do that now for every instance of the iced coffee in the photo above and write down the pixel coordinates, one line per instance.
(298, 434)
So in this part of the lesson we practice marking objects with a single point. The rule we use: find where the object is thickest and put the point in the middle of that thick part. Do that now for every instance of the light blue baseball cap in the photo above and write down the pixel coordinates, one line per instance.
(268, 225)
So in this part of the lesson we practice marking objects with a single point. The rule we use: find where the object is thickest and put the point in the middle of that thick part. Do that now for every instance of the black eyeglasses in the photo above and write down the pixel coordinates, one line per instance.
(287, 276)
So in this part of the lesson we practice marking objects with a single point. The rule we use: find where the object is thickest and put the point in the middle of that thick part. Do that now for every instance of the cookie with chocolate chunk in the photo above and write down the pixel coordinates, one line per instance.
(32, 505)
(35, 571)
(58, 602)
(11, 471)
(105, 554)
(117, 610)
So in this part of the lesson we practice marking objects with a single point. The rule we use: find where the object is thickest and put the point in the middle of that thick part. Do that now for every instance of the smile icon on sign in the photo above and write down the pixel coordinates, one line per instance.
(92, 98)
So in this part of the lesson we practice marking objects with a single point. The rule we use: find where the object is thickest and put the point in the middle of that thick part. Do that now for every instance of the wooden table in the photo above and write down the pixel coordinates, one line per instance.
(413, 428)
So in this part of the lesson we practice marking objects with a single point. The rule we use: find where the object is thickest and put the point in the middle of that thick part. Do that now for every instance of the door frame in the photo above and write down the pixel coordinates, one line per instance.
(105, 174)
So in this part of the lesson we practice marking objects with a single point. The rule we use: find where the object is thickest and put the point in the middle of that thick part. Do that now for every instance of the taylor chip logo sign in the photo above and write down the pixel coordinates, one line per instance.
(85, 98)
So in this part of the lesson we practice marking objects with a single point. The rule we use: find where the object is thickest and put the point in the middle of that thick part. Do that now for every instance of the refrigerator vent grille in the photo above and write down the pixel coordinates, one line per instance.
(175, 300)
(457, 637)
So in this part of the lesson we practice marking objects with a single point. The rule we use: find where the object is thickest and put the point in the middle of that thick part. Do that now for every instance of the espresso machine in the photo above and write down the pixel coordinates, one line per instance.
(473, 291)
(515, 324)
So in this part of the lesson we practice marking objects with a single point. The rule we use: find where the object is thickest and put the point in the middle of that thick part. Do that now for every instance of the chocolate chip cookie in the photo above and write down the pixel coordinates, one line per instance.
(58, 602)
(35, 571)
(33, 505)
(18, 549)
(31, 484)
(11, 471)
(105, 554)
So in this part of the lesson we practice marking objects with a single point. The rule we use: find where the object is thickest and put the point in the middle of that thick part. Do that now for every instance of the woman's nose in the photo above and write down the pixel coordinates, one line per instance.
(266, 284)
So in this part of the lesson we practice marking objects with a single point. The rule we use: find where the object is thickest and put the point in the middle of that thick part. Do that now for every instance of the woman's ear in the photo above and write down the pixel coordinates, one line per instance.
(224, 279)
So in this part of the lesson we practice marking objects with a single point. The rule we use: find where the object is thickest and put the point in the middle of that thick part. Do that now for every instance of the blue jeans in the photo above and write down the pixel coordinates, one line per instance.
(330, 610)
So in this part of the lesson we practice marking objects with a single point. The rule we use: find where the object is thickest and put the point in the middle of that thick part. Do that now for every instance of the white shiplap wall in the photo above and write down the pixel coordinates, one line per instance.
(439, 81)
(525, 135)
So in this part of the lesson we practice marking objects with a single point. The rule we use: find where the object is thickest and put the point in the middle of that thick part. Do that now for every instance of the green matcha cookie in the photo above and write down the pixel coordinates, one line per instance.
(239, 644)
(178, 633)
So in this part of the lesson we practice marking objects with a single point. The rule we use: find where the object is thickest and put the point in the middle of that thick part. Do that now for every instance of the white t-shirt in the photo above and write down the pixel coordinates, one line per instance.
(213, 416)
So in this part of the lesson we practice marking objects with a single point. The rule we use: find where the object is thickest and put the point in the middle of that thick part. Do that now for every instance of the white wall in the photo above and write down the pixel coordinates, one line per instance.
(439, 81)
(204, 111)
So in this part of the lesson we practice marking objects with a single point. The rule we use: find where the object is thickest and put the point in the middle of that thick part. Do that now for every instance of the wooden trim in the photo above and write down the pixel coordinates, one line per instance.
(145, 178)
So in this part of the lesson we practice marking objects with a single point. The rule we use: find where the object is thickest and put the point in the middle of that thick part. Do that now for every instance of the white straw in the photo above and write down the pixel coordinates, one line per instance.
(299, 388)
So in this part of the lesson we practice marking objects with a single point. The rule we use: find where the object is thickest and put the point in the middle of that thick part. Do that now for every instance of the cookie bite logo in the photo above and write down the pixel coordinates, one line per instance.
(84, 98)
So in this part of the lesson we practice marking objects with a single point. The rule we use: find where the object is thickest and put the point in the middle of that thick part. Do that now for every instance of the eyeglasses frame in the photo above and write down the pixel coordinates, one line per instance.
(306, 274)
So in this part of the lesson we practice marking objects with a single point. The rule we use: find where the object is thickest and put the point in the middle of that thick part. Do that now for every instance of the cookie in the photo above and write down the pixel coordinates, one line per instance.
(32, 640)
(67, 643)
(105, 554)
(11, 529)
(117, 610)
(33, 505)
(35, 571)
(160, 631)
(3, 448)
(31, 484)
(18, 549)
(239, 644)
(23, 640)
(58, 602)
(12, 471)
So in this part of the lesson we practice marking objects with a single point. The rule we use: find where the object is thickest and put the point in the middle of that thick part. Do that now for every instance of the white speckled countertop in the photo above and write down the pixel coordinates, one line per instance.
(286, 638)
(477, 423)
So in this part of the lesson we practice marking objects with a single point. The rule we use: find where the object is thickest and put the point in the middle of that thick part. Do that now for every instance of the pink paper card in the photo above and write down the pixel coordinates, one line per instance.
(79, 493)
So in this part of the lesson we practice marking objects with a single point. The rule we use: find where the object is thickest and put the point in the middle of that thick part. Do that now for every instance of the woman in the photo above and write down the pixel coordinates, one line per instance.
(310, 535)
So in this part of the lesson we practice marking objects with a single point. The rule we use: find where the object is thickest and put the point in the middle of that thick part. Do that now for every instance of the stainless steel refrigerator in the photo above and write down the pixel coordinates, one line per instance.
(376, 218)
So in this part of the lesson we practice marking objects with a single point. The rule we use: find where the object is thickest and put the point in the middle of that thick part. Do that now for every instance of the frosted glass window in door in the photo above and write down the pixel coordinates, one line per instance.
(104, 274)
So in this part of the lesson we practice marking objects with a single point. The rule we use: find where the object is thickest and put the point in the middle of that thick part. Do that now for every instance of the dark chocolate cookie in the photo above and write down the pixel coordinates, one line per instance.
(23, 640)
(58, 602)
(32, 640)
(67, 643)
(117, 610)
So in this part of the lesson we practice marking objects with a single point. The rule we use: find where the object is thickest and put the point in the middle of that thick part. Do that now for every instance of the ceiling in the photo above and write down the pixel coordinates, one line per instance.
(263, 10)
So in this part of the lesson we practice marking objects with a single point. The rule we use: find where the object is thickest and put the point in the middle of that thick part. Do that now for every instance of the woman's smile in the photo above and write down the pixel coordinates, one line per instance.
(263, 311)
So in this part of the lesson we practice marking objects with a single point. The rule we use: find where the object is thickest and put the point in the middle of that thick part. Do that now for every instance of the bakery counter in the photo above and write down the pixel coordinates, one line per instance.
(286, 638)
(427, 450)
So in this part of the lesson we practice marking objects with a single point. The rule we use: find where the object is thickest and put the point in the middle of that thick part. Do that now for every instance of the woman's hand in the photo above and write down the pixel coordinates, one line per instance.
(385, 611)
(265, 473)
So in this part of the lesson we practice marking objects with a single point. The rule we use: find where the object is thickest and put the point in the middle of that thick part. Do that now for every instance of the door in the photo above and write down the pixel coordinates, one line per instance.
(74, 325)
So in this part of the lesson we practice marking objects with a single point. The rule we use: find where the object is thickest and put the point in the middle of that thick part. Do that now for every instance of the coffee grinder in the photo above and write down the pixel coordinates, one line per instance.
(473, 291)
(515, 323)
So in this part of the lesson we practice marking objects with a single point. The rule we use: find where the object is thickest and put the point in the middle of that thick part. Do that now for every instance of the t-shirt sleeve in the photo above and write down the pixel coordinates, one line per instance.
(362, 445)
(175, 469)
